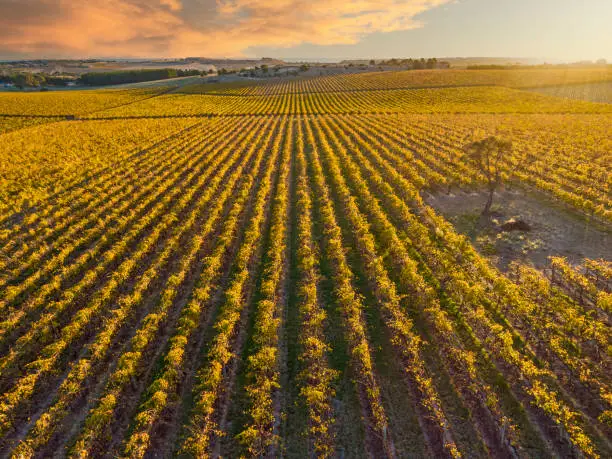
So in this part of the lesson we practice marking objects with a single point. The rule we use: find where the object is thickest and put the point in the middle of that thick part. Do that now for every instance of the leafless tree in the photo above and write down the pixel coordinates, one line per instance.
(487, 155)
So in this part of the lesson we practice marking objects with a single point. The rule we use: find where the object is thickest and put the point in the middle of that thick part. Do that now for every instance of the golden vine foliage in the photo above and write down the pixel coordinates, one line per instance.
(251, 270)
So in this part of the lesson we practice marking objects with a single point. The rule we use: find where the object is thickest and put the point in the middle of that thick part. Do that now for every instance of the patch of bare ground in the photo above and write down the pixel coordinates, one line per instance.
(552, 228)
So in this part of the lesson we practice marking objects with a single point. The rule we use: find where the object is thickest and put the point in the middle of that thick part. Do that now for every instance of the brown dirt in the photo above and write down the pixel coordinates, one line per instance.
(556, 229)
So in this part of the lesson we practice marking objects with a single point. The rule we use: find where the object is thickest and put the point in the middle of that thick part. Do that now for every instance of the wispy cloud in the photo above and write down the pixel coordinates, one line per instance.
(133, 28)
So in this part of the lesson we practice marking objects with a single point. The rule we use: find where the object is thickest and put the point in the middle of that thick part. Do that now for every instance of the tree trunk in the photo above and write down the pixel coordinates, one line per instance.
(487, 207)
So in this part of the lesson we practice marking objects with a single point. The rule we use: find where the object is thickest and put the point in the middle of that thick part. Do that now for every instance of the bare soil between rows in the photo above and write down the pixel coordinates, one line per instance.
(555, 228)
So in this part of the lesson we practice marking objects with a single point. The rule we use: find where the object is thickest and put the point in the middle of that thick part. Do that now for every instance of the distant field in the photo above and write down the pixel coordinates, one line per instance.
(304, 274)
(56, 103)
(441, 100)
(13, 123)
(593, 92)
(415, 79)
(170, 82)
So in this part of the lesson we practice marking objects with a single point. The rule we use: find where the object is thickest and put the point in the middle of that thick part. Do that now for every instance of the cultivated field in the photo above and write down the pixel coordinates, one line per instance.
(594, 92)
(267, 270)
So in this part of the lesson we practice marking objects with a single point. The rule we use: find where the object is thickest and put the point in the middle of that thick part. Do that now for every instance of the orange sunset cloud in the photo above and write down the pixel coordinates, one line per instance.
(132, 28)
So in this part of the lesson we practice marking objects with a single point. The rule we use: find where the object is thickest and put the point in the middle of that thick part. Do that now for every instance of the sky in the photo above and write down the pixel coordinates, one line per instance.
(566, 30)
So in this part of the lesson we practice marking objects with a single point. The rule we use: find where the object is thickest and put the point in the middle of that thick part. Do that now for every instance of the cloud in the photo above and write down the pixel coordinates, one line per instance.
(159, 28)
(174, 5)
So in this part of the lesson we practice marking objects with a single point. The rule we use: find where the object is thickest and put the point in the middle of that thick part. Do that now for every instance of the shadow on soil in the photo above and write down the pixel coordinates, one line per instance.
(524, 225)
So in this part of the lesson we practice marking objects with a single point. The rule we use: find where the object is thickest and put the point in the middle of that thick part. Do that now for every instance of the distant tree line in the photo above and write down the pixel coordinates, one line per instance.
(135, 76)
(42, 80)
(34, 80)
(414, 64)
(265, 71)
